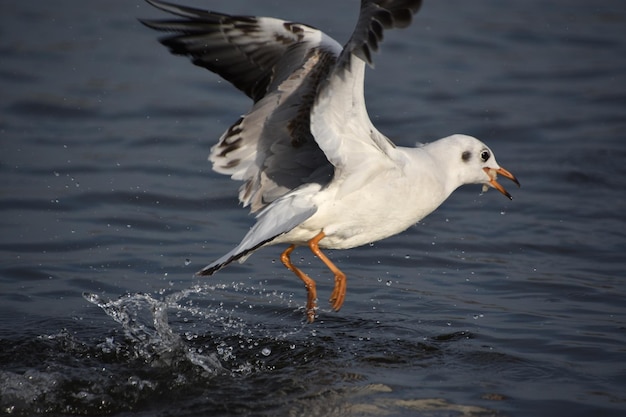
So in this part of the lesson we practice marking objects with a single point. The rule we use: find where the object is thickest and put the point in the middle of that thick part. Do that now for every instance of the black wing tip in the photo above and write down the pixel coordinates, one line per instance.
(187, 13)
(151, 23)
(213, 268)
(168, 7)
(396, 14)
(414, 5)
(172, 7)
(205, 272)
(388, 15)
(157, 3)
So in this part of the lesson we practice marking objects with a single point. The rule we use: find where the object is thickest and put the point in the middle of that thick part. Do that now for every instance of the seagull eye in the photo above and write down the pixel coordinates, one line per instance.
(484, 155)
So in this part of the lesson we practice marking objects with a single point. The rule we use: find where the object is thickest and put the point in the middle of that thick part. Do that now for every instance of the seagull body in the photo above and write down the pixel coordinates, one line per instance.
(316, 171)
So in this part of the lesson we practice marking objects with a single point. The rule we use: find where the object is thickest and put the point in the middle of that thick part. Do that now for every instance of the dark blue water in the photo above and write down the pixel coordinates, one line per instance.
(487, 307)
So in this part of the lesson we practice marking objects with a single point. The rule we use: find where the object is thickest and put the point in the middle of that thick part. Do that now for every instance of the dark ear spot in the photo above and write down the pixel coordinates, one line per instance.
(466, 156)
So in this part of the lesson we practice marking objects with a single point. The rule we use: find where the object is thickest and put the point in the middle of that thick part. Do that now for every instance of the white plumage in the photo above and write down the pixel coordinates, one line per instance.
(316, 171)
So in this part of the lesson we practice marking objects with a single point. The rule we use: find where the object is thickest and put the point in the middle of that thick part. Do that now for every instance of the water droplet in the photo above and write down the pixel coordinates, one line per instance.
(187, 262)
(388, 283)
(266, 351)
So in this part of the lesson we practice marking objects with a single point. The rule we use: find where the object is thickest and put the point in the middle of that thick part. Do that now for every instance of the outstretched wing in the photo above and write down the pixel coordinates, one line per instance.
(279, 65)
(339, 119)
(243, 50)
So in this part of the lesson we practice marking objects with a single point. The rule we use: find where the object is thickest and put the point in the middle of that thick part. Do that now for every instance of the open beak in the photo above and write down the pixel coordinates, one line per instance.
(493, 175)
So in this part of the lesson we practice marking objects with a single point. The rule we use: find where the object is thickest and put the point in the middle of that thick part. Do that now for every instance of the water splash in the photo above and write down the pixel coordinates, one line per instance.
(185, 343)
(145, 322)
(213, 331)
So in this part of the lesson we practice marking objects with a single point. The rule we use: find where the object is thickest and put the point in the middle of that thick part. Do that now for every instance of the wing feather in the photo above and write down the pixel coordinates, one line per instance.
(279, 65)
(282, 216)
(309, 120)
(243, 50)
(339, 119)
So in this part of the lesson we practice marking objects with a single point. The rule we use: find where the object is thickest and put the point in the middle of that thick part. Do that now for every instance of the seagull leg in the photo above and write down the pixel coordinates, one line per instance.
(311, 292)
(339, 292)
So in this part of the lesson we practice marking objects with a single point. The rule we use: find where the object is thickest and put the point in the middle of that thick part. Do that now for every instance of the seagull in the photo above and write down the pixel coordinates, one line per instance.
(315, 170)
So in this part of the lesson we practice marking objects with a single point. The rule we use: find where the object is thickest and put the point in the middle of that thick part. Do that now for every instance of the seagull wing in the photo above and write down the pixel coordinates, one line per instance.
(279, 65)
(339, 119)
(243, 50)
(280, 217)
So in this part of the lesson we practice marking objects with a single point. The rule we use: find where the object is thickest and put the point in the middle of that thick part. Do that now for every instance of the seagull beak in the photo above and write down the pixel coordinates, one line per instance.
(493, 174)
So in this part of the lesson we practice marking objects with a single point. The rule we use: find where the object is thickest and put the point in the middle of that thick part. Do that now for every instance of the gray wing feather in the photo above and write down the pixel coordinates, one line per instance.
(278, 64)
(271, 148)
(240, 49)
(276, 219)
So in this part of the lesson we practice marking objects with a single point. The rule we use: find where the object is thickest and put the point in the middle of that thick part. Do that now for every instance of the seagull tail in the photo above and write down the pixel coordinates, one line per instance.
(276, 219)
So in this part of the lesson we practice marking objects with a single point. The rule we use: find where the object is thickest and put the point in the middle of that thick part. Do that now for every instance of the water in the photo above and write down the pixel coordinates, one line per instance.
(487, 307)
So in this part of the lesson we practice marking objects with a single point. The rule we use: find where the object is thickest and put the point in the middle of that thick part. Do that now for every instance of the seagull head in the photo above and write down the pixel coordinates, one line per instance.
(475, 163)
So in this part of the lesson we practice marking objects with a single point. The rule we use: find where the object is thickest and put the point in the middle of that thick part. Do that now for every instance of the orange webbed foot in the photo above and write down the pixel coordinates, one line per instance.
(338, 295)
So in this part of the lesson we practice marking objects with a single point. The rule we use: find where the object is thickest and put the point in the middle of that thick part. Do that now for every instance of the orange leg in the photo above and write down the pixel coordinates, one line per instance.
(339, 292)
(311, 299)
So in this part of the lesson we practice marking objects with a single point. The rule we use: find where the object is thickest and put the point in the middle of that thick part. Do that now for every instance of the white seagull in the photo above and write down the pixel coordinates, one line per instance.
(316, 171)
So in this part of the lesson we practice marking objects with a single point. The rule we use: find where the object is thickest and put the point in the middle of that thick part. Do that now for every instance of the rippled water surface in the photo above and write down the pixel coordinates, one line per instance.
(487, 307)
